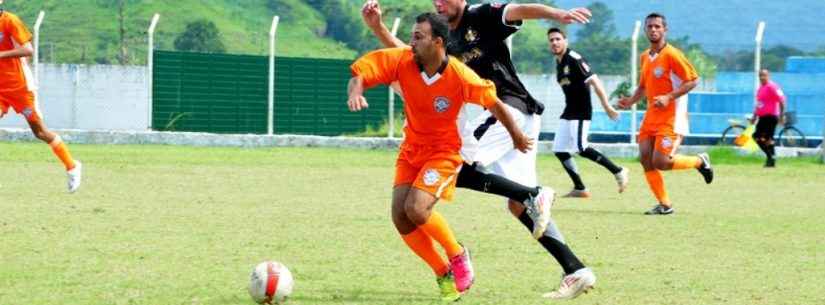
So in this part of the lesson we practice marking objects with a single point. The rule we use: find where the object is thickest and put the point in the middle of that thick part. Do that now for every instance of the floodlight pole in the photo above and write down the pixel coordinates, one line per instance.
(757, 58)
(391, 100)
(270, 118)
(634, 82)
(150, 63)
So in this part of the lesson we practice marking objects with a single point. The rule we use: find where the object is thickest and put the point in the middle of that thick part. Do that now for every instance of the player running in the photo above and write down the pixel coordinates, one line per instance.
(17, 90)
(666, 76)
(477, 37)
(575, 78)
(435, 88)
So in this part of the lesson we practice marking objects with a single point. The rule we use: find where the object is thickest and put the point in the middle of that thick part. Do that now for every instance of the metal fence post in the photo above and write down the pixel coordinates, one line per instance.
(270, 119)
(634, 82)
(391, 99)
(150, 64)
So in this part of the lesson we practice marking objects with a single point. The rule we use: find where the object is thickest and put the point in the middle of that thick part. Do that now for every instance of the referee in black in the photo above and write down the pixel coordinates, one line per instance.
(575, 78)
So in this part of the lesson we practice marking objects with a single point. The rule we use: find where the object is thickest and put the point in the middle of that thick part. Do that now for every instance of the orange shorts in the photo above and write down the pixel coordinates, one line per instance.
(22, 101)
(665, 140)
(433, 170)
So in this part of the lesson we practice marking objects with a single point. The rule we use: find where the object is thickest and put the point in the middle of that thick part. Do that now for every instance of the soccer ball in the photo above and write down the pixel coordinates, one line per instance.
(270, 283)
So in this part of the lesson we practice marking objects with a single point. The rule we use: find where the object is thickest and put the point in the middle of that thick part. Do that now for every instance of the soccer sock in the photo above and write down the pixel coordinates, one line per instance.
(572, 170)
(471, 178)
(764, 147)
(770, 151)
(438, 229)
(62, 152)
(601, 159)
(422, 245)
(553, 242)
(686, 162)
(657, 185)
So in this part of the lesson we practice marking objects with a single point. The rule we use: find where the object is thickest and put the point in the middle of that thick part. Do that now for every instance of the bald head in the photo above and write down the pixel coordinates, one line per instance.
(764, 75)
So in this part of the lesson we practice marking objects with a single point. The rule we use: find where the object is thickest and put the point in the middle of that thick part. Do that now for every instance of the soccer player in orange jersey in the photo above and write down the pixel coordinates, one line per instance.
(666, 77)
(17, 86)
(478, 36)
(435, 87)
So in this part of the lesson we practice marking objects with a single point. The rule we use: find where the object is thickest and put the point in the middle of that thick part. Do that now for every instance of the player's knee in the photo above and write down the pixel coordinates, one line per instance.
(418, 215)
(662, 163)
(515, 208)
(42, 135)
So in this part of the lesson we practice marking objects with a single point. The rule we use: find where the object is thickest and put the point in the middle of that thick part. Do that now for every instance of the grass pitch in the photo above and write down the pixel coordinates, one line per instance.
(182, 225)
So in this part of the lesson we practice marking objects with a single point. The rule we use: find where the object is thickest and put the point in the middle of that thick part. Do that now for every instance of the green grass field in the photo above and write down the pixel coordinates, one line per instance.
(181, 225)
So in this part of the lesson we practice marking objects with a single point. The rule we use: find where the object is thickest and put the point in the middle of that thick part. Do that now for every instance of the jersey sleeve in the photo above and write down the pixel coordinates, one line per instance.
(582, 67)
(492, 16)
(18, 31)
(378, 67)
(475, 89)
(642, 71)
(682, 67)
(779, 94)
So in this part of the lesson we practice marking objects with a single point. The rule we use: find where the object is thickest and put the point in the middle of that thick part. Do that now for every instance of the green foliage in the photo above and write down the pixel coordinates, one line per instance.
(600, 24)
(200, 36)
(773, 58)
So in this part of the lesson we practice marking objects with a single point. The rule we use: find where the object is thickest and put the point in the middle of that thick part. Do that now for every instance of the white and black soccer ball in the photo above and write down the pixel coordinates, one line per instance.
(270, 283)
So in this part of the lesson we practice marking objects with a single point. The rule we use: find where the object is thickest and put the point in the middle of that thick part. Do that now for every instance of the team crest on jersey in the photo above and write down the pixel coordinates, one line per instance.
(471, 35)
(431, 177)
(658, 72)
(566, 69)
(667, 142)
(441, 104)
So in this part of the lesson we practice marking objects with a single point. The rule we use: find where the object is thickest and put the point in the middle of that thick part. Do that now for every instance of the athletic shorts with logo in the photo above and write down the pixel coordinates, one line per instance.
(431, 169)
(486, 142)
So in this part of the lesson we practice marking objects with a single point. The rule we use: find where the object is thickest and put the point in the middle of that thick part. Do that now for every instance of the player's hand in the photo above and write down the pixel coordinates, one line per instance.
(522, 142)
(662, 100)
(576, 15)
(357, 103)
(624, 103)
(371, 13)
(612, 114)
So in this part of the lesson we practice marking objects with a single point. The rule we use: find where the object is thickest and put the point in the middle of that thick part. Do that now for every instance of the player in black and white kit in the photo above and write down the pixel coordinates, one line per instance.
(477, 37)
(575, 78)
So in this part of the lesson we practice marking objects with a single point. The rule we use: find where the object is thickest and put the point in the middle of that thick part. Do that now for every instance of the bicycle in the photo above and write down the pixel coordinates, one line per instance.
(789, 136)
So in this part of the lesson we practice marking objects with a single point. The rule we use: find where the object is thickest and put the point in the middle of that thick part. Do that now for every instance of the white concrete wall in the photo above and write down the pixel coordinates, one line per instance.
(91, 97)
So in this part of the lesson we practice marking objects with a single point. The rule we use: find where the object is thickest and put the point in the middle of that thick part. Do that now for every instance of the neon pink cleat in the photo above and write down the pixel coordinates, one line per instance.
(462, 268)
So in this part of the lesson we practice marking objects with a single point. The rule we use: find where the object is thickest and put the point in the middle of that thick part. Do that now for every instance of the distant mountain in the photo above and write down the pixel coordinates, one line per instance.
(725, 24)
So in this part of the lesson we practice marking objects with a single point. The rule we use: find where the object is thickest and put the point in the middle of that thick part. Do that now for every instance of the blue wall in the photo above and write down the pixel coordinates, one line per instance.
(709, 112)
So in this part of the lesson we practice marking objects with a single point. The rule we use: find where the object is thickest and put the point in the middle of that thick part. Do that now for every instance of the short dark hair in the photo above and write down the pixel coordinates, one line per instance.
(656, 15)
(557, 30)
(438, 24)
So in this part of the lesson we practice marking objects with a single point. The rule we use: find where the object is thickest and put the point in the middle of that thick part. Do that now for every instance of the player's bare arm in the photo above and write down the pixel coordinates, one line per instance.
(520, 141)
(525, 11)
(626, 102)
(371, 13)
(355, 91)
(664, 100)
(597, 85)
(24, 50)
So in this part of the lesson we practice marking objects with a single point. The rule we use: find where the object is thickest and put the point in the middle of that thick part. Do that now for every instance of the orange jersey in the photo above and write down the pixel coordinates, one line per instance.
(12, 33)
(431, 104)
(661, 74)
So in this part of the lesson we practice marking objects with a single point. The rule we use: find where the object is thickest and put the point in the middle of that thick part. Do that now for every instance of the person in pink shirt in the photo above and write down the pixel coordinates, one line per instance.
(769, 111)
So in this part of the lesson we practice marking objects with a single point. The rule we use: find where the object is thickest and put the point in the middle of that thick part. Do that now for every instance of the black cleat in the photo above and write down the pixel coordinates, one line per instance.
(660, 210)
(706, 170)
(770, 163)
